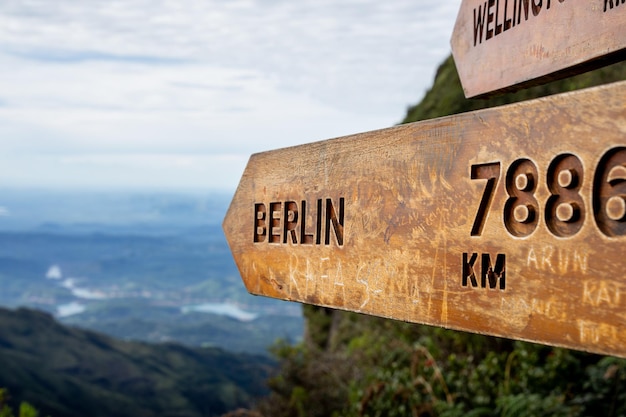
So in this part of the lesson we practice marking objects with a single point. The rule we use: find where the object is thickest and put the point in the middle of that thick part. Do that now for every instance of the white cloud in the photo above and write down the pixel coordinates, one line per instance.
(140, 108)
(128, 79)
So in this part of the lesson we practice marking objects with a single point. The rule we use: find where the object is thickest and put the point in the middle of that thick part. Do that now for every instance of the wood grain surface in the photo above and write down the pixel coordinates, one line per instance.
(505, 45)
(508, 221)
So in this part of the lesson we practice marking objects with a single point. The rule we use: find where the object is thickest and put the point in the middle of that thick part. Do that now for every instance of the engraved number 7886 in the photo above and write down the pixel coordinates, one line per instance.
(564, 210)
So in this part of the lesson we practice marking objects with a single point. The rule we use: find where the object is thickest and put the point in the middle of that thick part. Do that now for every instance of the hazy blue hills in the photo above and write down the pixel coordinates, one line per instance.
(110, 211)
(137, 266)
(69, 372)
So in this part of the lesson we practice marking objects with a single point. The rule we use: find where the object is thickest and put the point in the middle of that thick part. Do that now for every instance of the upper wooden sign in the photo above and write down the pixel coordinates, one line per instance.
(508, 221)
(501, 45)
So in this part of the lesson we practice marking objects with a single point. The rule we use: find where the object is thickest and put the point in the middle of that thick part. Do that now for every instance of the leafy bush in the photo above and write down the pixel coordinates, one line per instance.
(26, 410)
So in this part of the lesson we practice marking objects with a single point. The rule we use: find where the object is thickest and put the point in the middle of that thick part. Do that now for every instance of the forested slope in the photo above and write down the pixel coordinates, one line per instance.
(446, 95)
(353, 365)
(69, 372)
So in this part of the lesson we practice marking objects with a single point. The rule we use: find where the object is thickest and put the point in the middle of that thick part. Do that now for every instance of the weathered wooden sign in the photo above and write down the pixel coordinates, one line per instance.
(508, 221)
(502, 45)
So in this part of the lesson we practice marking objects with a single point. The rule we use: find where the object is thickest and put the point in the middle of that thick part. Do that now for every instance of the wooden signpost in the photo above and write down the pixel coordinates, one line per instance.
(508, 221)
(509, 44)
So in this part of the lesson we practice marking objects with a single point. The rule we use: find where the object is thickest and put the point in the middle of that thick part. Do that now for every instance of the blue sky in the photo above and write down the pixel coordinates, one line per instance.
(176, 94)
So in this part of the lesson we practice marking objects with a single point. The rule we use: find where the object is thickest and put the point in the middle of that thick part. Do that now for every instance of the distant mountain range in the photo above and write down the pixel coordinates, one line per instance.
(109, 211)
(150, 267)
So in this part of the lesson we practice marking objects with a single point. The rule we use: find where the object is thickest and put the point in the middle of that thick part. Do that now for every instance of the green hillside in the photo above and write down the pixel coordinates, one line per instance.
(354, 365)
(446, 95)
(64, 371)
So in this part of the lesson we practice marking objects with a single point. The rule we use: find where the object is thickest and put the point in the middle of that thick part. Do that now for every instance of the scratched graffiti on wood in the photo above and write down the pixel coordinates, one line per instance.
(508, 221)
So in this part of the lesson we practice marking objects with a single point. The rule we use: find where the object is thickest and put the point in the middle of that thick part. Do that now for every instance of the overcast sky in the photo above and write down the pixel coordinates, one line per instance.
(177, 94)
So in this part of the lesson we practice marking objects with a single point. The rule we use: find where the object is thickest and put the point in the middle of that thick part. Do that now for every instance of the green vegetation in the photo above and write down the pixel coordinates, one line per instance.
(70, 372)
(446, 95)
(374, 367)
(354, 365)
(25, 409)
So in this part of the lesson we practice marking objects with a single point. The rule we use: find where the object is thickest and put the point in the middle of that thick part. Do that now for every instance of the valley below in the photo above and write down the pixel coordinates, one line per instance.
(136, 266)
